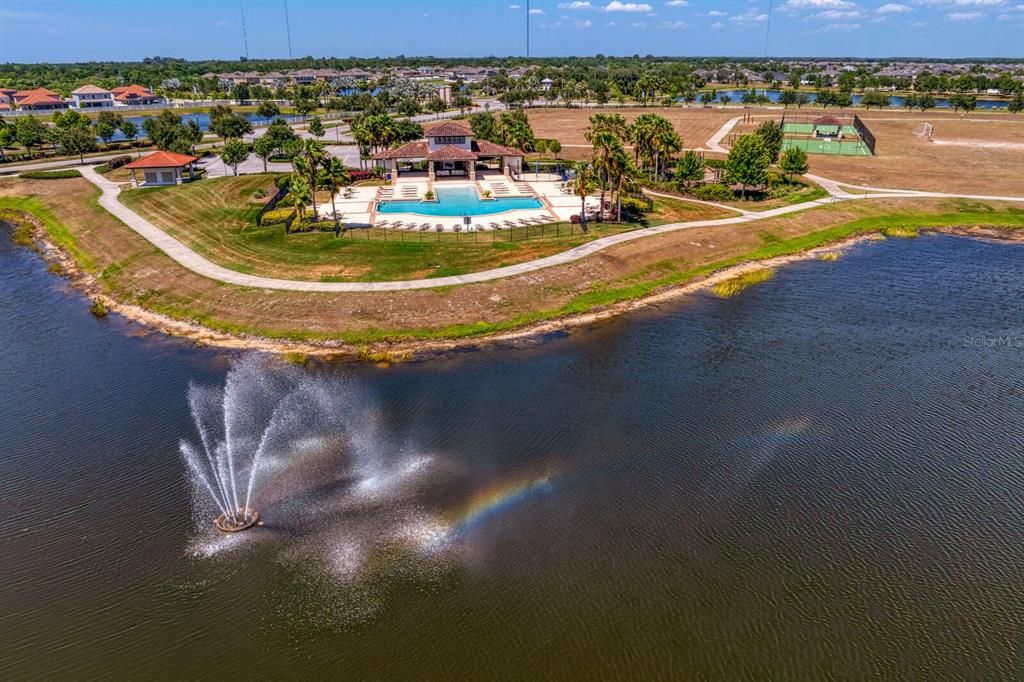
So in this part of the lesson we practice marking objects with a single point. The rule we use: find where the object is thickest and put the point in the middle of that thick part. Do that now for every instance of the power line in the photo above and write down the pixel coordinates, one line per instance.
(245, 38)
(288, 29)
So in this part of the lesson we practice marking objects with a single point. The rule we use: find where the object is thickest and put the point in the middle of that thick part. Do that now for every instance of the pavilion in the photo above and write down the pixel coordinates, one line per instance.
(161, 168)
(449, 150)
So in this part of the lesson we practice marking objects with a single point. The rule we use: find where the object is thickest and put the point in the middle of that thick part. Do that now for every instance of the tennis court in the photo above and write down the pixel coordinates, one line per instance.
(813, 145)
(808, 129)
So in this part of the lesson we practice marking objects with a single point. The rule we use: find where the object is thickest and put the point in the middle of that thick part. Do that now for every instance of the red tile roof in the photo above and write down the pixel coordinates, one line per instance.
(827, 120)
(37, 98)
(450, 152)
(21, 94)
(487, 148)
(162, 159)
(449, 129)
(409, 150)
(132, 90)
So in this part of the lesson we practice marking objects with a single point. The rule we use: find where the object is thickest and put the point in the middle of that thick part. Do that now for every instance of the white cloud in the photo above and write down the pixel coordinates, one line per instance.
(536, 11)
(676, 3)
(584, 24)
(575, 5)
(616, 6)
(717, 13)
(674, 25)
(837, 14)
(819, 4)
(842, 27)
(514, 7)
(894, 8)
(718, 24)
(964, 16)
(750, 16)
(961, 3)
(638, 24)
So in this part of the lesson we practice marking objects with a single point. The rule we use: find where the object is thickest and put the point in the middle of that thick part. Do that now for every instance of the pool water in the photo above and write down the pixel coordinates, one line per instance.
(458, 201)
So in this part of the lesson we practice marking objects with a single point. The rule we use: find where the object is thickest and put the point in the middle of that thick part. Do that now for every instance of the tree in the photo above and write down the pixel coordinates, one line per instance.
(409, 107)
(725, 99)
(303, 105)
(316, 127)
(231, 126)
(1016, 104)
(484, 126)
(300, 193)
(129, 130)
(748, 163)
(689, 169)
(583, 186)
(166, 131)
(707, 97)
(794, 161)
(874, 98)
(788, 97)
(235, 152)
(73, 133)
(925, 101)
(554, 146)
(333, 177)
(307, 164)
(30, 132)
(910, 101)
(514, 130)
(268, 109)
(107, 124)
(7, 137)
(264, 147)
(771, 134)
(462, 103)
(436, 105)
(842, 99)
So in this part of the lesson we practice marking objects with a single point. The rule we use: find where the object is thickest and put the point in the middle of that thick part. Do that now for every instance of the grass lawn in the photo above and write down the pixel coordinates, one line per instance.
(216, 217)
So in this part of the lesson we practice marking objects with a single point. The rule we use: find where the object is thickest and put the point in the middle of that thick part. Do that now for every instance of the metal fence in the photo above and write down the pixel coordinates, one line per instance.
(866, 135)
(558, 230)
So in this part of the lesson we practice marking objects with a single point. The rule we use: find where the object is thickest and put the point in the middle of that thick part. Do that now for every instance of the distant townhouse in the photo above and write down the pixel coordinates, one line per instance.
(273, 79)
(40, 99)
(7, 99)
(134, 95)
(92, 97)
(302, 76)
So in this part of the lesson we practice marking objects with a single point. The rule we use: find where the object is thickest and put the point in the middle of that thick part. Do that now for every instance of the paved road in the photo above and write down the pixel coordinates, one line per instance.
(188, 258)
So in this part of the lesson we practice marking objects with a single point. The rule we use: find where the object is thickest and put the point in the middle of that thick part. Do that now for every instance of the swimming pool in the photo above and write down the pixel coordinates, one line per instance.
(458, 201)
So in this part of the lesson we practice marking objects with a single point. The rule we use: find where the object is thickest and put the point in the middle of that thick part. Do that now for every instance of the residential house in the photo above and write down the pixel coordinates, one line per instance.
(40, 99)
(92, 97)
(134, 95)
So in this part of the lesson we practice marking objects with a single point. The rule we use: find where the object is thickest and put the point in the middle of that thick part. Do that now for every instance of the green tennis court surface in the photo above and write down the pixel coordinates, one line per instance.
(808, 128)
(836, 147)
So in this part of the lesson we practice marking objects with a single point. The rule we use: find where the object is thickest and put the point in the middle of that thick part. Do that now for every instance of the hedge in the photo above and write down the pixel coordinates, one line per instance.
(277, 216)
(52, 175)
(714, 192)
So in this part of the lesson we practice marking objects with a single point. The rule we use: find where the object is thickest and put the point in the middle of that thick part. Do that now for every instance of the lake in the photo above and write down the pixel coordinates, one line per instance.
(203, 120)
(820, 477)
(736, 95)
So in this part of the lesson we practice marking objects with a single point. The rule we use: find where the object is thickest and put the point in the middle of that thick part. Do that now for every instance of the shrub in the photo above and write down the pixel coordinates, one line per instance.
(357, 175)
(118, 161)
(277, 216)
(714, 192)
(429, 196)
(98, 308)
(633, 206)
(714, 163)
(103, 168)
(52, 175)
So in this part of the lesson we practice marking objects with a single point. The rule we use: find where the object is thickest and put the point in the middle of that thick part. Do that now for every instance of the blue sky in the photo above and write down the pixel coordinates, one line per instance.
(57, 31)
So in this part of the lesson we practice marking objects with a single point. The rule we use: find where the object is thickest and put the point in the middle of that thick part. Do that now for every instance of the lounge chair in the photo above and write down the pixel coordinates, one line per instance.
(480, 228)
(494, 226)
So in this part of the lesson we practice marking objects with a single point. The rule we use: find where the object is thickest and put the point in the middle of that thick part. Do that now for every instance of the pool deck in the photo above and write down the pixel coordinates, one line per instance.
(358, 206)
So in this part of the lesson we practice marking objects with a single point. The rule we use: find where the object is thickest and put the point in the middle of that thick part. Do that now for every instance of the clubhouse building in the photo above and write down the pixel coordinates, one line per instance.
(449, 150)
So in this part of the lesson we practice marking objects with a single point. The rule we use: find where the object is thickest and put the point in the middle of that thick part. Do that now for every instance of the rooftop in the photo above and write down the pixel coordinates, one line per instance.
(162, 159)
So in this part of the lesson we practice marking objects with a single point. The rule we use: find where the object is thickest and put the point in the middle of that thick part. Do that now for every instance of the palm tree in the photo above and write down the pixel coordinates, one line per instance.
(583, 186)
(606, 147)
(300, 193)
(307, 164)
(622, 178)
(333, 177)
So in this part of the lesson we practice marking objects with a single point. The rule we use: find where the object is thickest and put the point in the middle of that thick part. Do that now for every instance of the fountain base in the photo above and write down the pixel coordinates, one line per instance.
(246, 519)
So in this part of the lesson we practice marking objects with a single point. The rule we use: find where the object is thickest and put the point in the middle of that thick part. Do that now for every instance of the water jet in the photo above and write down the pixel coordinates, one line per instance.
(241, 519)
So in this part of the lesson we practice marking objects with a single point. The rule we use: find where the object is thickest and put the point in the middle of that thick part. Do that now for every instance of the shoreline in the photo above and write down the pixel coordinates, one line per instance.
(385, 352)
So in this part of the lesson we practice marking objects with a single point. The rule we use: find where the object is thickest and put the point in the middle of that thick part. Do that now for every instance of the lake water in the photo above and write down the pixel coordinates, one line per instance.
(736, 96)
(203, 120)
(459, 201)
(819, 478)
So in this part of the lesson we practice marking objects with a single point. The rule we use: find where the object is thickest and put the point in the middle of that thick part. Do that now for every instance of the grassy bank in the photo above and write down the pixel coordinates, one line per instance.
(130, 270)
(217, 219)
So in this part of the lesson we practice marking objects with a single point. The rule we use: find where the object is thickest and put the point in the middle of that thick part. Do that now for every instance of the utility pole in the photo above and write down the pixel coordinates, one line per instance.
(288, 29)
(245, 38)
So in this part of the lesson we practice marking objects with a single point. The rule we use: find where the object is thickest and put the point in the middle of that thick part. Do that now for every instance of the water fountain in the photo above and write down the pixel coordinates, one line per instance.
(237, 425)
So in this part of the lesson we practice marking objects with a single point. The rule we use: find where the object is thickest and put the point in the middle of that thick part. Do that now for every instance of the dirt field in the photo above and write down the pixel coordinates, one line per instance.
(987, 156)
(135, 272)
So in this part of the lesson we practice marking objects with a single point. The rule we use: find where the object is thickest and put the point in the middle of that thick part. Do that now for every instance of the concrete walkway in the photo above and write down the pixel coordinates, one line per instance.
(714, 144)
(188, 258)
